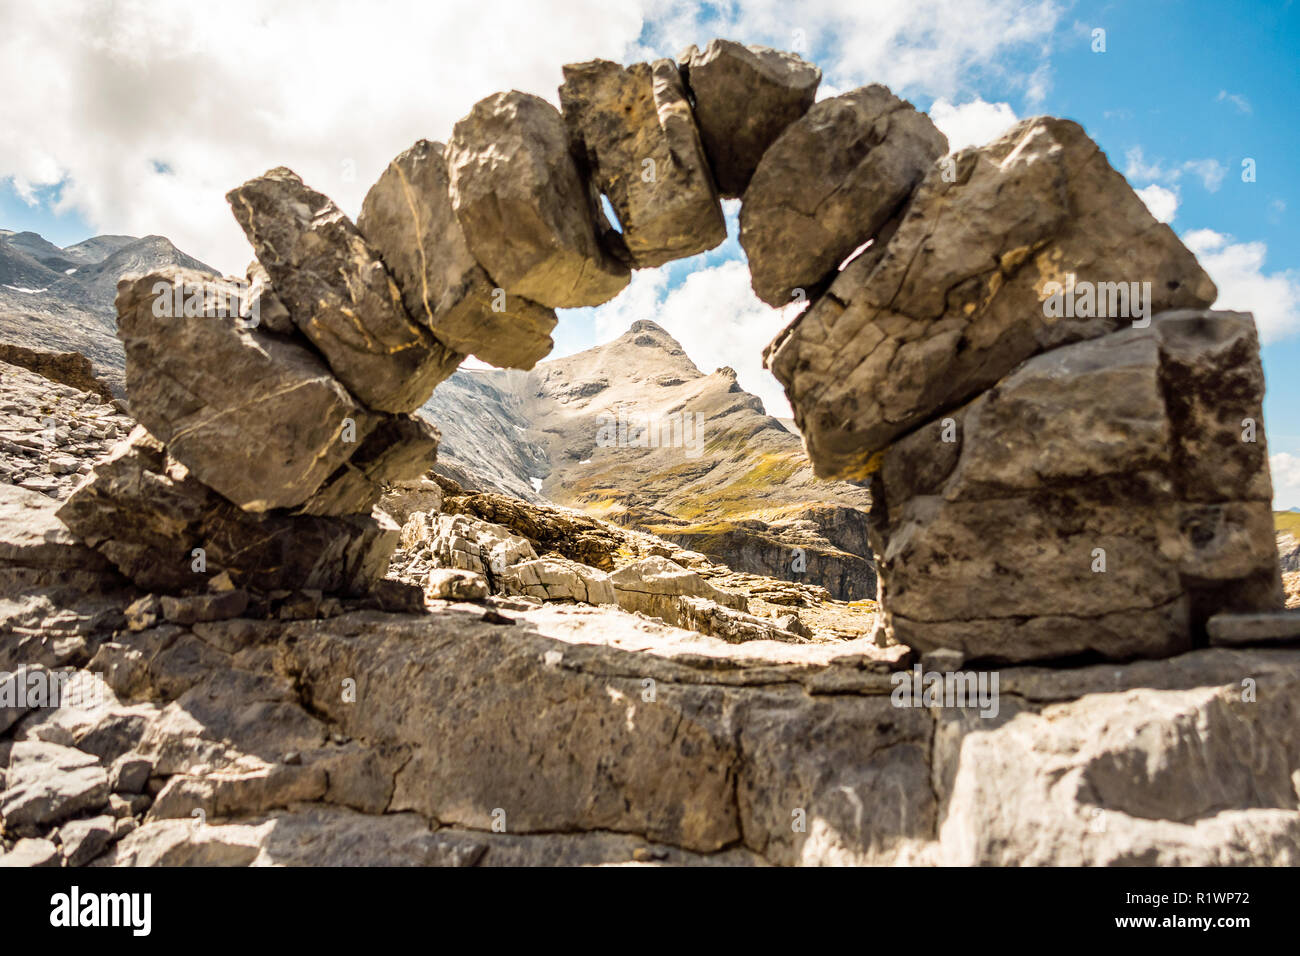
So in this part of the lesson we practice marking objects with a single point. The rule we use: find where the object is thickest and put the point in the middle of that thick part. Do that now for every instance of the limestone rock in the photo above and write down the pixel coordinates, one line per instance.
(633, 128)
(339, 293)
(47, 783)
(262, 308)
(404, 498)
(744, 97)
(831, 180)
(220, 395)
(527, 215)
(83, 840)
(30, 852)
(558, 579)
(33, 537)
(457, 541)
(398, 448)
(407, 216)
(1232, 630)
(708, 617)
(453, 584)
(1100, 499)
(652, 586)
(147, 514)
(960, 294)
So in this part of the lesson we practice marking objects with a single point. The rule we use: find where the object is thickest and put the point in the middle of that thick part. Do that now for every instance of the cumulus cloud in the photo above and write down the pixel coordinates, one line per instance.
(1286, 480)
(148, 112)
(1237, 269)
(1162, 202)
(971, 124)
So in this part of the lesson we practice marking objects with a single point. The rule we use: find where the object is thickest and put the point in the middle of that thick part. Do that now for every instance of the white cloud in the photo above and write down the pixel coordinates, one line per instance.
(1162, 202)
(221, 92)
(1236, 99)
(103, 91)
(1286, 480)
(1209, 171)
(1237, 269)
(971, 124)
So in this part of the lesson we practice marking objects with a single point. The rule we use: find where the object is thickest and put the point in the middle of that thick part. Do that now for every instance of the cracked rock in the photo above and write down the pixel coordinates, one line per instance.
(339, 293)
(828, 184)
(408, 217)
(528, 216)
(634, 130)
(745, 97)
(1100, 499)
(925, 320)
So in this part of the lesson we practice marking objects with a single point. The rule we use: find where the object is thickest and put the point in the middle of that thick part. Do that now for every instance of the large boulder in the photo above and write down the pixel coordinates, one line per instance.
(339, 293)
(634, 130)
(827, 185)
(407, 216)
(744, 97)
(221, 394)
(528, 216)
(652, 586)
(1103, 499)
(166, 531)
(558, 579)
(972, 283)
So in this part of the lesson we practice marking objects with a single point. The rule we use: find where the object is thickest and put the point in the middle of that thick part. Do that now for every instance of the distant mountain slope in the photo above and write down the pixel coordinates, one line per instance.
(62, 299)
(612, 431)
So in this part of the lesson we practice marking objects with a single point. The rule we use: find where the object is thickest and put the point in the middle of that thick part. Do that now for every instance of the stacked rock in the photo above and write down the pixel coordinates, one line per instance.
(1065, 449)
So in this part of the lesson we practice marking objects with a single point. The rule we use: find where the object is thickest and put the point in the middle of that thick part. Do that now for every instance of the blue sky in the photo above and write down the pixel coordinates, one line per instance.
(128, 127)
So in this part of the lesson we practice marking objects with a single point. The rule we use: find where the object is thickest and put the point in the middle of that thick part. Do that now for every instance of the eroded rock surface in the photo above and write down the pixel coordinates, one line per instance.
(744, 97)
(408, 217)
(634, 130)
(956, 298)
(339, 293)
(528, 217)
(251, 391)
(831, 180)
(1104, 498)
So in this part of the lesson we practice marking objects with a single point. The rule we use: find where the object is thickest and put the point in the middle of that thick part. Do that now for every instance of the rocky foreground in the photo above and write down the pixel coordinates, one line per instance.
(260, 631)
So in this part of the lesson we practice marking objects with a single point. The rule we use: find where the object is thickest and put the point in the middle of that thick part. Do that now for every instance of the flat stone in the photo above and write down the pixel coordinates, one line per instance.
(30, 852)
(831, 180)
(408, 217)
(633, 128)
(744, 97)
(528, 216)
(1233, 630)
(147, 514)
(47, 783)
(339, 294)
(454, 584)
(250, 392)
(558, 579)
(925, 320)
